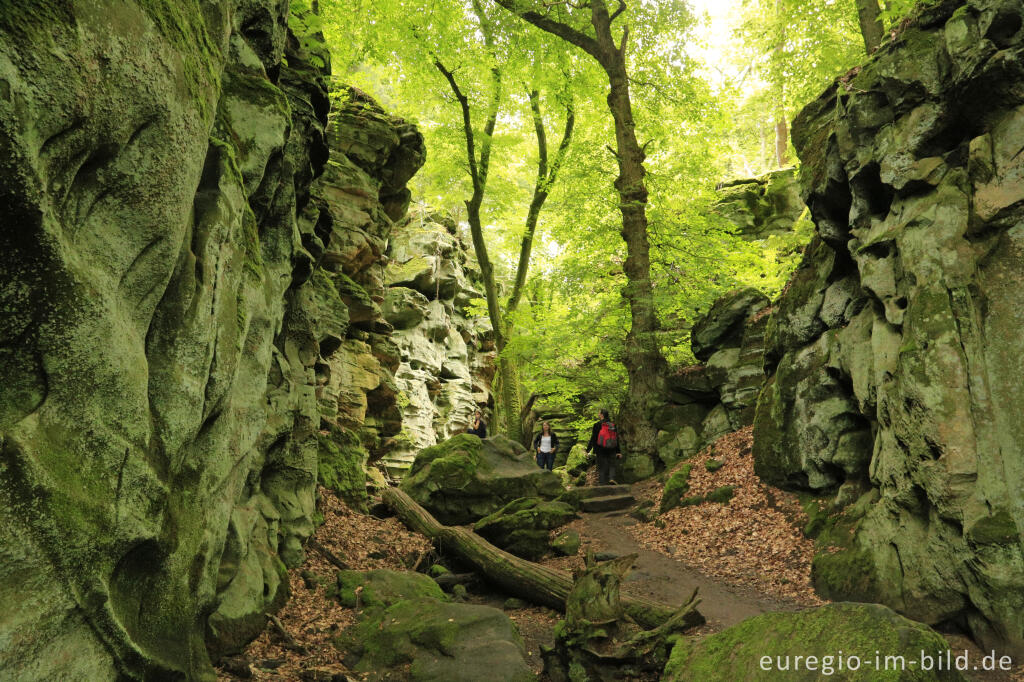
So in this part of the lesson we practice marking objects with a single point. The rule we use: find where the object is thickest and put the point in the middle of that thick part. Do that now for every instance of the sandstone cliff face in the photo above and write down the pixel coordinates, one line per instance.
(180, 308)
(363, 189)
(447, 357)
(896, 354)
(711, 399)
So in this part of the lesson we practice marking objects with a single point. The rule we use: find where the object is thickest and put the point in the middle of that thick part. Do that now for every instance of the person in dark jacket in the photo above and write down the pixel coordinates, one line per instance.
(546, 443)
(479, 426)
(605, 454)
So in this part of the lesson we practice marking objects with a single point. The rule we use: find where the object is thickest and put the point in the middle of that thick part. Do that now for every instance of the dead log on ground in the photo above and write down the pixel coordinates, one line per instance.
(524, 579)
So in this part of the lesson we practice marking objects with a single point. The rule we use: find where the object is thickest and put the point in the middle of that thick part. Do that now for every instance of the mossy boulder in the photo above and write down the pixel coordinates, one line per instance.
(522, 526)
(567, 543)
(428, 640)
(383, 587)
(577, 460)
(676, 486)
(465, 478)
(821, 637)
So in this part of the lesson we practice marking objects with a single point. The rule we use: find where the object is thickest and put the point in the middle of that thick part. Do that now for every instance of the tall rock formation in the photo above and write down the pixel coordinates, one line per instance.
(373, 155)
(896, 353)
(446, 354)
(190, 325)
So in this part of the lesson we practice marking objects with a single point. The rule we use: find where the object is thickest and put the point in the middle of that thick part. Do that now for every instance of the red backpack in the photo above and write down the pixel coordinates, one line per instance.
(607, 437)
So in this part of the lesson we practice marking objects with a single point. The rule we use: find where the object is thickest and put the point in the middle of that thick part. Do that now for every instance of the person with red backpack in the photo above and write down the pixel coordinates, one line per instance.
(604, 441)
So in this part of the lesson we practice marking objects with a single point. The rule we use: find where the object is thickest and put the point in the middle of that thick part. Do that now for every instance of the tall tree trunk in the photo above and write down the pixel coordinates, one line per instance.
(781, 129)
(478, 170)
(781, 139)
(871, 27)
(645, 365)
(644, 362)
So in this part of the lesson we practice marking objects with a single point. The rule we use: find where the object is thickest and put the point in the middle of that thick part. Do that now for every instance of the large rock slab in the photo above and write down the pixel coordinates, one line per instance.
(896, 352)
(190, 319)
(432, 641)
(837, 641)
(722, 326)
(157, 424)
(465, 478)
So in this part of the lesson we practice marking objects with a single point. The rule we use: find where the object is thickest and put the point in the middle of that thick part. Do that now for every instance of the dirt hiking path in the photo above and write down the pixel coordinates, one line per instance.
(670, 581)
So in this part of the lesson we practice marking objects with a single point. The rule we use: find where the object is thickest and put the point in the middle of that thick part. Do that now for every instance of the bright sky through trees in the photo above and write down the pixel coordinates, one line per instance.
(719, 18)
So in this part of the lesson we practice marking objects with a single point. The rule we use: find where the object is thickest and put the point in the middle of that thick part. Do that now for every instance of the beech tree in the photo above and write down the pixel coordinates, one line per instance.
(645, 364)
(481, 72)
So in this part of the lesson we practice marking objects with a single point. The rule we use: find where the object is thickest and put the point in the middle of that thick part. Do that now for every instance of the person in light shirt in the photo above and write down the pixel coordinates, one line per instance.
(546, 443)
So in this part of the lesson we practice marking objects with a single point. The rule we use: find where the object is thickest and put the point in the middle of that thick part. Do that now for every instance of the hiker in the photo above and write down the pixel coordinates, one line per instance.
(546, 443)
(604, 441)
(479, 427)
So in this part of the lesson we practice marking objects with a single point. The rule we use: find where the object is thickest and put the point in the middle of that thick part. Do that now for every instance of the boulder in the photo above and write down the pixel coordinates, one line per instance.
(522, 526)
(763, 206)
(830, 641)
(567, 543)
(383, 588)
(722, 326)
(428, 640)
(465, 478)
(675, 488)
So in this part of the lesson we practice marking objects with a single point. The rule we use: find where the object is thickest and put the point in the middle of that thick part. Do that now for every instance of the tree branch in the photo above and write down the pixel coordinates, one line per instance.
(619, 10)
(545, 180)
(467, 123)
(545, 23)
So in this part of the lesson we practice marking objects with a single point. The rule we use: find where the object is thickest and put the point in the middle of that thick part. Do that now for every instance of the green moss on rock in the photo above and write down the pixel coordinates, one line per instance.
(522, 526)
(438, 641)
(848, 574)
(384, 588)
(677, 486)
(773, 640)
(340, 466)
(721, 495)
(997, 529)
(464, 479)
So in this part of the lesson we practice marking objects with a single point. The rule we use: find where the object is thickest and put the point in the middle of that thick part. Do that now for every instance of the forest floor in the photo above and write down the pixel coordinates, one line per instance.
(745, 558)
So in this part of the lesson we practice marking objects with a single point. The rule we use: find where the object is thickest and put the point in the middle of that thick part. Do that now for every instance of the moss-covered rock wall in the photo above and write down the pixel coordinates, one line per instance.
(190, 325)
(895, 353)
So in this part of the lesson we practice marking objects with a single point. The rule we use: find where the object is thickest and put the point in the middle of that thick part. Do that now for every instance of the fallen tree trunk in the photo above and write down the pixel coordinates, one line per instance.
(534, 583)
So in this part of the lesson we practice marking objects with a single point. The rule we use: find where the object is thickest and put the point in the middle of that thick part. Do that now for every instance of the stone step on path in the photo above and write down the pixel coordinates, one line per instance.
(607, 503)
(587, 492)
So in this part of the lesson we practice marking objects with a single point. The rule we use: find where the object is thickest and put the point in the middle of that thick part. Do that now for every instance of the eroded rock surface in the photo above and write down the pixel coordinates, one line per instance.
(842, 639)
(191, 328)
(763, 206)
(447, 356)
(895, 353)
(708, 400)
